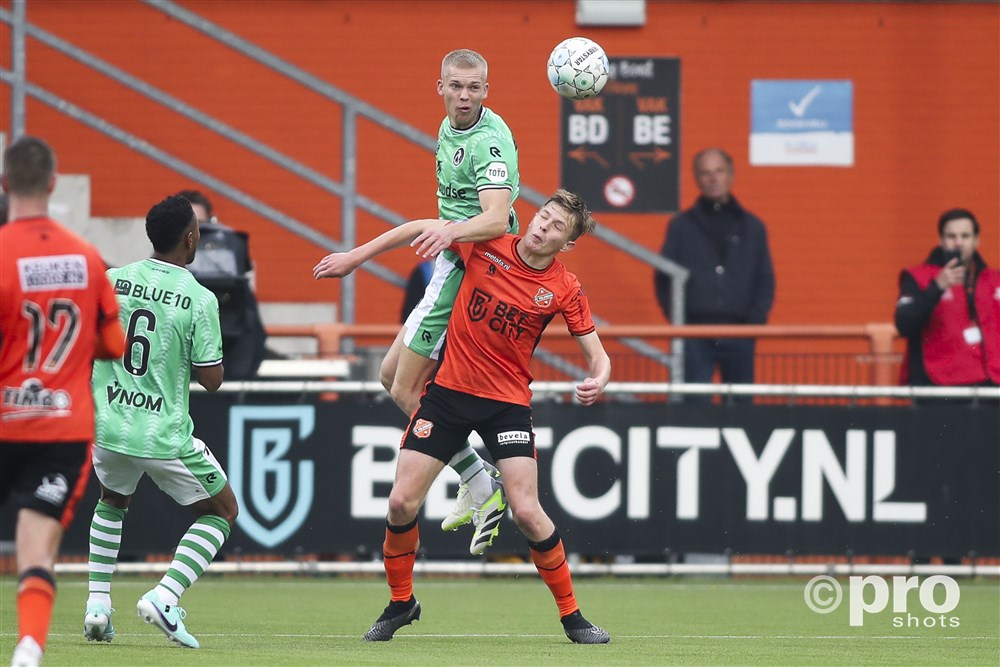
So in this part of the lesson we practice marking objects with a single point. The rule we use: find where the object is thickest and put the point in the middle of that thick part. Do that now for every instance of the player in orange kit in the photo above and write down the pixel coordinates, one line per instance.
(58, 313)
(513, 287)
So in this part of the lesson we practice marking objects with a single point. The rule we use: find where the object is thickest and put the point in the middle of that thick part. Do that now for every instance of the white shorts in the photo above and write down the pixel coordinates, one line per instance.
(193, 477)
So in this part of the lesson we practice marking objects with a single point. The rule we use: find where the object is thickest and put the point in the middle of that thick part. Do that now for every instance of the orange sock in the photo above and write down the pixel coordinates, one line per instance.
(36, 594)
(550, 561)
(399, 552)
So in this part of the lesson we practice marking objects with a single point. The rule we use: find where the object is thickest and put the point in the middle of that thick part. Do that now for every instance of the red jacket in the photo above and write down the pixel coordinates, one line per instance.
(947, 357)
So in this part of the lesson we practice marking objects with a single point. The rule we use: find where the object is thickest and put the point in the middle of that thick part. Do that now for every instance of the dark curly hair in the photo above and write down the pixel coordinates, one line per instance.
(166, 222)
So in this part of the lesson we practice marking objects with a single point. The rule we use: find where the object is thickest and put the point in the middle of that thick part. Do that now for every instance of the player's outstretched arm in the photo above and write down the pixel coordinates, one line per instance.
(340, 264)
(490, 224)
(599, 363)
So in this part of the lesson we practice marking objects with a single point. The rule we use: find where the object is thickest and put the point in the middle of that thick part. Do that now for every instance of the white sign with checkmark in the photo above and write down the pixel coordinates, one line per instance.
(802, 123)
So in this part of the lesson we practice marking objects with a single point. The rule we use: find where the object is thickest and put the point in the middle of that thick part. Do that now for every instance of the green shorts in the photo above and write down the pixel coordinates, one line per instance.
(194, 476)
(428, 322)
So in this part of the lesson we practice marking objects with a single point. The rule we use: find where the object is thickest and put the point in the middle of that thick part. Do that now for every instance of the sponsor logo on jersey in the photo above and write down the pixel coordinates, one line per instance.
(478, 304)
(495, 152)
(146, 293)
(543, 298)
(54, 272)
(513, 437)
(496, 172)
(496, 260)
(422, 429)
(447, 190)
(459, 156)
(32, 399)
(506, 319)
(53, 489)
(135, 399)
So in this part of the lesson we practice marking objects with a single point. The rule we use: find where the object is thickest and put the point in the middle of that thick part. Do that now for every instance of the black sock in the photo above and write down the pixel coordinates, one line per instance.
(574, 621)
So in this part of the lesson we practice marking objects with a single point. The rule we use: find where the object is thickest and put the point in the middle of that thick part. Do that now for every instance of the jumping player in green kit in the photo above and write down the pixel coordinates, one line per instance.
(477, 182)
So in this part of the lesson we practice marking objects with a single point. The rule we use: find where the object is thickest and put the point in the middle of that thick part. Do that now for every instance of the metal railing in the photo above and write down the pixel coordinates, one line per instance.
(875, 342)
(351, 200)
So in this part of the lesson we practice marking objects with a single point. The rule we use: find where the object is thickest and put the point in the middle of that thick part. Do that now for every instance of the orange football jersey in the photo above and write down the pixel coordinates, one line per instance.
(54, 301)
(500, 312)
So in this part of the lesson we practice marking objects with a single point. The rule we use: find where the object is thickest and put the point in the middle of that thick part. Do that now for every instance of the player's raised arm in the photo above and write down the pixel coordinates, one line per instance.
(490, 224)
(340, 264)
(599, 363)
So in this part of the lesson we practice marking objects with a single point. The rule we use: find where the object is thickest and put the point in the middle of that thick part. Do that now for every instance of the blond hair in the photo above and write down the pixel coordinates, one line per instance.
(463, 59)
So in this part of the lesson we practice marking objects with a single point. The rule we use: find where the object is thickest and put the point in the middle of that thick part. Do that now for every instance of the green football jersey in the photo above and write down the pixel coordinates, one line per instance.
(171, 322)
(482, 157)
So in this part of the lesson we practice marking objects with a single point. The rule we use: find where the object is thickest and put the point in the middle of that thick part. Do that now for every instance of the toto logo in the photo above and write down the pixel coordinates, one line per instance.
(263, 474)
(939, 595)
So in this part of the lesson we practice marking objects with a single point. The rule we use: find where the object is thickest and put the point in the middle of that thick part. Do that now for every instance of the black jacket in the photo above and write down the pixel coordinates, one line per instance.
(732, 276)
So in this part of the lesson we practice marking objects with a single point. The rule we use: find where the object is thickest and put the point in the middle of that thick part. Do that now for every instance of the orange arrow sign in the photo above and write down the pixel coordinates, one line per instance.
(657, 155)
(581, 155)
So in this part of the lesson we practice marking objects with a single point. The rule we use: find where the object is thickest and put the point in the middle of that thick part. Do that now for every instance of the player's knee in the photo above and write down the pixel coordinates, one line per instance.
(225, 506)
(528, 516)
(402, 510)
(230, 512)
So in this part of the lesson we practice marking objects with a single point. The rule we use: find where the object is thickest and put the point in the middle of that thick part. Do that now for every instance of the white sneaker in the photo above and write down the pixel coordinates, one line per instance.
(27, 653)
(465, 505)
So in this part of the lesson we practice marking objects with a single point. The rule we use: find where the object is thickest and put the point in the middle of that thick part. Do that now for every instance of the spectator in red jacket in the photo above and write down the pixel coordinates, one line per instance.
(949, 310)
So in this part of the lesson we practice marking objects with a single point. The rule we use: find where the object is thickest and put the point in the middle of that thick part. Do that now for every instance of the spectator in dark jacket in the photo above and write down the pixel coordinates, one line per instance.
(725, 248)
(949, 310)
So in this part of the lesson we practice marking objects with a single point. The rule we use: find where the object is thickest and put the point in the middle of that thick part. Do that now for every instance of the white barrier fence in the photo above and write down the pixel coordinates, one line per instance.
(579, 569)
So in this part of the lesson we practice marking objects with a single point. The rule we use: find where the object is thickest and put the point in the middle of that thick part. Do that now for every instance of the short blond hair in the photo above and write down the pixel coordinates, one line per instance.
(464, 59)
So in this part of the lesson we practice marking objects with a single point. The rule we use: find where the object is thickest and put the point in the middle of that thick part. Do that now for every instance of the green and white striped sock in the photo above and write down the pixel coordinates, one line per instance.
(105, 541)
(194, 554)
(467, 463)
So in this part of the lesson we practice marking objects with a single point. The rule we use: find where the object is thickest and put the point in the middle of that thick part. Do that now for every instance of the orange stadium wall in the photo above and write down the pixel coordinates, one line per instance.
(927, 129)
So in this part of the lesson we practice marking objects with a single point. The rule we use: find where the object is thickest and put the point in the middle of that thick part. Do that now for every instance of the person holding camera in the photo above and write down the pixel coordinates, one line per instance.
(223, 265)
(949, 310)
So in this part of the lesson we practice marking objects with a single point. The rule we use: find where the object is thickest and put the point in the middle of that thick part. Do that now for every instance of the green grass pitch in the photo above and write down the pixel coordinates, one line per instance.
(264, 620)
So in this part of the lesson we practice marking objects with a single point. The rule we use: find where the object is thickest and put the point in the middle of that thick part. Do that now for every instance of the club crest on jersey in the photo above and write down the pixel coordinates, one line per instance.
(459, 156)
(422, 429)
(543, 298)
(478, 303)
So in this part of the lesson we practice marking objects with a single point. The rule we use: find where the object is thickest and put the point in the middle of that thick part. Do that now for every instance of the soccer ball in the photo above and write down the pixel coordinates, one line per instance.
(578, 68)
